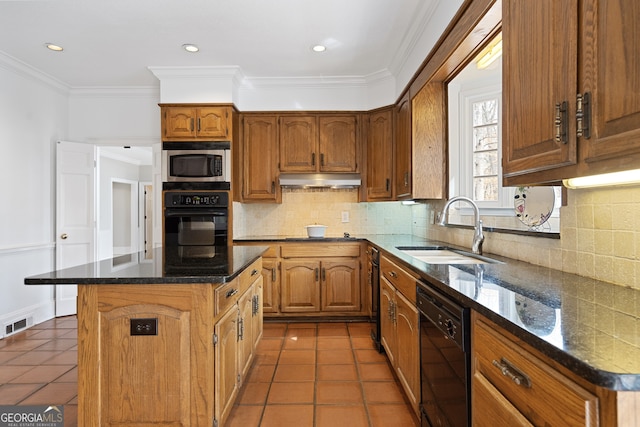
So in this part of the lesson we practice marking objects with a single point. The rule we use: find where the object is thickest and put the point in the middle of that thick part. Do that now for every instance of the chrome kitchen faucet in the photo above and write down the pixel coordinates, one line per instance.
(478, 237)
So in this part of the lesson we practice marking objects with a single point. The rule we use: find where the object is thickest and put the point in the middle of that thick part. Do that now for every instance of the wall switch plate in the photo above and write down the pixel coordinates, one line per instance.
(345, 216)
(147, 326)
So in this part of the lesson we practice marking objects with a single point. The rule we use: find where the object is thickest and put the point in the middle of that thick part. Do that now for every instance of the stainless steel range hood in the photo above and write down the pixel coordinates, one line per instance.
(320, 180)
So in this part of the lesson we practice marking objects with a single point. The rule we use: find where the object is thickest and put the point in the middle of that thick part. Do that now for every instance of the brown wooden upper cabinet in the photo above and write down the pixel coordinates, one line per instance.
(420, 145)
(319, 143)
(570, 88)
(196, 122)
(258, 159)
(403, 172)
(380, 155)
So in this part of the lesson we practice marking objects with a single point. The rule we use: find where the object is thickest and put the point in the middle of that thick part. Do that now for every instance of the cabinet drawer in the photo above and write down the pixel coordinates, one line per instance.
(316, 250)
(226, 295)
(544, 395)
(249, 275)
(400, 278)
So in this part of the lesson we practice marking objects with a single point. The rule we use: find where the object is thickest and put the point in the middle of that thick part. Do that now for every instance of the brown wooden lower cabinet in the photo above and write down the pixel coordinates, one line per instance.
(400, 323)
(271, 285)
(188, 372)
(313, 279)
(513, 386)
(236, 336)
(300, 286)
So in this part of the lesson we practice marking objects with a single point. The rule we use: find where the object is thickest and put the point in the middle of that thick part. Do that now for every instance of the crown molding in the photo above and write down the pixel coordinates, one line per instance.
(232, 72)
(328, 82)
(414, 33)
(23, 69)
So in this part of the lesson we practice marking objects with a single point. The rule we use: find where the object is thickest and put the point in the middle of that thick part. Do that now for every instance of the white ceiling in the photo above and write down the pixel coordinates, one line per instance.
(113, 42)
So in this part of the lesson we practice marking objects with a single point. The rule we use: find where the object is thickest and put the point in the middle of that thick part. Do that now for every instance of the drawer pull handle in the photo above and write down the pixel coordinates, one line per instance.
(231, 293)
(508, 370)
(393, 274)
(254, 272)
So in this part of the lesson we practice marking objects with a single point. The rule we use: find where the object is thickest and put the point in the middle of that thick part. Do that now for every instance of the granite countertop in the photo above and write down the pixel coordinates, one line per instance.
(589, 326)
(218, 265)
(298, 238)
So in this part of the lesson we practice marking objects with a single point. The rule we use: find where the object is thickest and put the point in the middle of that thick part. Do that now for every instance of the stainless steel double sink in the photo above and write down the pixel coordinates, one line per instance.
(444, 255)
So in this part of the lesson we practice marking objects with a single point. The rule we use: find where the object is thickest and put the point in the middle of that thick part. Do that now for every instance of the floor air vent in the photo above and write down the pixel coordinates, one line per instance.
(17, 326)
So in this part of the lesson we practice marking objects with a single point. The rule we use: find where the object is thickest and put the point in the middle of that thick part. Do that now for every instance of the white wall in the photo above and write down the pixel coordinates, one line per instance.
(34, 114)
(114, 114)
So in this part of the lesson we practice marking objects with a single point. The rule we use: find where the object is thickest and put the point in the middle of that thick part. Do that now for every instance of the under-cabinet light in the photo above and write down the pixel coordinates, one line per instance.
(490, 53)
(615, 178)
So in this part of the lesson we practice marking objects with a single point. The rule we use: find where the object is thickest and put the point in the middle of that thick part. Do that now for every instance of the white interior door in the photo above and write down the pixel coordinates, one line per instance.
(75, 215)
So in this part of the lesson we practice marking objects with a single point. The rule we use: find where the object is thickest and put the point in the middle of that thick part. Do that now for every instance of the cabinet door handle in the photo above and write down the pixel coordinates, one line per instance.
(388, 184)
(324, 274)
(273, 274)
(231, 293)
(255, 305)
(317, 273)
(561, 122)
(273, 187)
(583, 115)
(191, 125)
(313, 159)
(510, 371)
(198, 124)
(240, 329)
(321, 159)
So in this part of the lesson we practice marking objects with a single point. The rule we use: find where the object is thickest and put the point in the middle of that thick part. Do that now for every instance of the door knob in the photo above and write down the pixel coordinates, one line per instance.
(64, 236)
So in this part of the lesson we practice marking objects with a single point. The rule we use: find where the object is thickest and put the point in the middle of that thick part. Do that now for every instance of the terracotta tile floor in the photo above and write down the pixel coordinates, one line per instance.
(320, 375)
(304, 374)
(39, 367)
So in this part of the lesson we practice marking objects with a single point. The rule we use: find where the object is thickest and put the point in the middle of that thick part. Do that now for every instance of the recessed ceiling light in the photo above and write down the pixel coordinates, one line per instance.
(53, 47)
(190, 47)
(319, 48)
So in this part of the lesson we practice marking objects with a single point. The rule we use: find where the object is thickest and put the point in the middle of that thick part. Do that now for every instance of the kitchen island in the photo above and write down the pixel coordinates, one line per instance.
(164, 339)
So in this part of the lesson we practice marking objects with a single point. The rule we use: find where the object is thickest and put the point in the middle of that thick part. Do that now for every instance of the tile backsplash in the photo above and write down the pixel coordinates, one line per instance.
(320, 206)
(599, 236)
(599, 228)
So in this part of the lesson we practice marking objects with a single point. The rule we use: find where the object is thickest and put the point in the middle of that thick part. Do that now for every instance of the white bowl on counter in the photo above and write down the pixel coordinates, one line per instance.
(316, 230)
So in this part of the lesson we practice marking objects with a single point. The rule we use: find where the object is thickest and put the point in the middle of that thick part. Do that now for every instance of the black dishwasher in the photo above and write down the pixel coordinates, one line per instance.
(445, 370)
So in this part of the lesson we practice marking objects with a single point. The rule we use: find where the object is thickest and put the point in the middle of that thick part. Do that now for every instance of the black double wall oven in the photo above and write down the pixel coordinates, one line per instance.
(196, 207)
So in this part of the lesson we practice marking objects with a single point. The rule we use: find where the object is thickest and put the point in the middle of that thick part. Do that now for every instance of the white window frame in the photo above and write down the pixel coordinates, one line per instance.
(461, 99)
